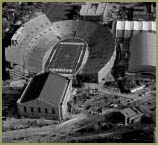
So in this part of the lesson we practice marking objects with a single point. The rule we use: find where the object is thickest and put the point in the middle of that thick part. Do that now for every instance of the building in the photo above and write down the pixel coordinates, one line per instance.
(143, 53)
(99, 12)
(45, 96)
(132, 115)
(92, 11)
(125, 30)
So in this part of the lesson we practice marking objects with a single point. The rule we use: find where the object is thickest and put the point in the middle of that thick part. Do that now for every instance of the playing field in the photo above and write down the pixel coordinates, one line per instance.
(67, 56)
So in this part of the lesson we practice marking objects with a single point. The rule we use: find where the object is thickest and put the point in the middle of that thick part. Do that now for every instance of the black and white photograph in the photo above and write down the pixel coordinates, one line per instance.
(78, 72)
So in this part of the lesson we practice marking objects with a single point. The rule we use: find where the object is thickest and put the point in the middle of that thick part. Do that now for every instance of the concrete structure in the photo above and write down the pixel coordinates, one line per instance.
(107, 13)
(45, 96)
(143, 53)
(127, 29)
(92, 11)
(132, 115)
(100, 8)
(23, 36)
(137, 27)
(99, 12)
(95, 56)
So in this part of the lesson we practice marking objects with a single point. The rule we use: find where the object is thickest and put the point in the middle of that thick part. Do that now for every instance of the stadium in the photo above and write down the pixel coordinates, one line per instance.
(65, 47)
(72, 70)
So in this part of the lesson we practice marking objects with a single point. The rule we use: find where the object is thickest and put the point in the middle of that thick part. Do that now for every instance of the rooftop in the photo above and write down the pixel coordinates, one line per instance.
(46, 87)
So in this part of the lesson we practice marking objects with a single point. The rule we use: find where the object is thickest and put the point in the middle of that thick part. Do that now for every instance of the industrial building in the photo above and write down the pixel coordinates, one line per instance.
(125, 31)
(143, 53)
(132, 115)
(108, 12)
(45, 96)
(98, 12)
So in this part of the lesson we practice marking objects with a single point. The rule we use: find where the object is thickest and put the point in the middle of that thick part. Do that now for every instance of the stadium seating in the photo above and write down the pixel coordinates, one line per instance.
(23, 36)
(58, 38)
(37, 49)
(66, 28)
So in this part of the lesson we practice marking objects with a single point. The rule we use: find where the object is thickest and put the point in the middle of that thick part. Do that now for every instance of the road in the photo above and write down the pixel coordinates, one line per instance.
(41, 131)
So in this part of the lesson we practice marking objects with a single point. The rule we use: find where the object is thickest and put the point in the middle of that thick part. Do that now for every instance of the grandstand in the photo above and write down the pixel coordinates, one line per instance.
(23, 36)
(37, 48)
(66, 28)
(66, 47)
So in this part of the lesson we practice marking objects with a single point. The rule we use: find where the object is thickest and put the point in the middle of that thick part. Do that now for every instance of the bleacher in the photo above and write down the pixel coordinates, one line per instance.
(17, 73)
(14, 54)
(101, 45)
(66, 28)
(31, 54)
(37, 49)
(23, 36)
(86, 30)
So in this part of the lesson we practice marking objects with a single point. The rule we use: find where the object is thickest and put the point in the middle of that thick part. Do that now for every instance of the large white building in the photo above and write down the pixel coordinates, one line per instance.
(127, 29)
(143, 53)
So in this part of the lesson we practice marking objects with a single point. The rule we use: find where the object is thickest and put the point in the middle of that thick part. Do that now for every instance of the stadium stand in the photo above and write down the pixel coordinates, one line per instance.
(41, 49)
(24, 35)
(38, 47)
(66, 28)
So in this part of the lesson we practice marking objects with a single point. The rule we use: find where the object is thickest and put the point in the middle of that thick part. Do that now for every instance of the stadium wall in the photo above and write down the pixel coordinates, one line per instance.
(63, 104)
(35, 114)
(107, 68)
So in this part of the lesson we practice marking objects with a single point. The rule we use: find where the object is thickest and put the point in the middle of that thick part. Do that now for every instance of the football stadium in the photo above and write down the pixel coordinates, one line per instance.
(78, 72)
(66, 47)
